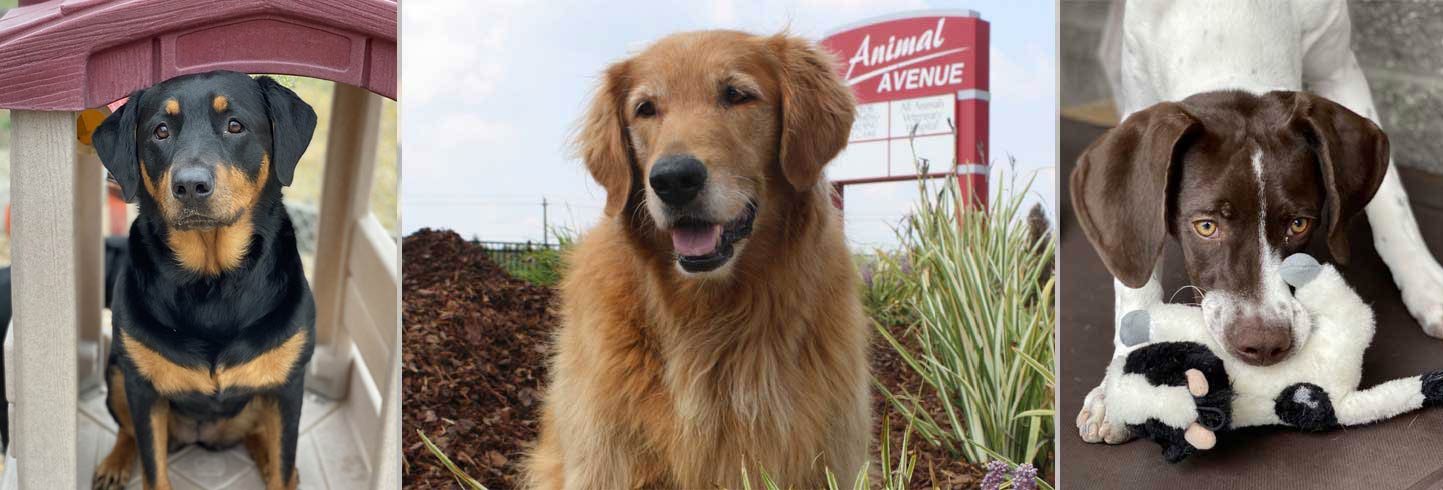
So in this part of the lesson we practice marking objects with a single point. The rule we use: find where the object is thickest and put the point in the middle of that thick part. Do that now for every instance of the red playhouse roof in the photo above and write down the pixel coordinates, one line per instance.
(69, 55)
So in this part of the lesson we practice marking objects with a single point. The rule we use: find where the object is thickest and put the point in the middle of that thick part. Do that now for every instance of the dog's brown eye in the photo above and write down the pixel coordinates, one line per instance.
(234, 126)
(736, 97)
(1205, 228)
(162, 131)
(1300, 226)
(645, 109)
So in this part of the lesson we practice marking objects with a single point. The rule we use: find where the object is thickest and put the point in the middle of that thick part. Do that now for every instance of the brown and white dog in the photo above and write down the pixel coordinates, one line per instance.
(1223, 150)
(711, 322)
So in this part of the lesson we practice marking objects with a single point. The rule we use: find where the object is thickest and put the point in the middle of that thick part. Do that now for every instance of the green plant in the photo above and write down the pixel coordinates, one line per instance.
(543, 266)
(887, 287)
(984, 302)
(462, 479)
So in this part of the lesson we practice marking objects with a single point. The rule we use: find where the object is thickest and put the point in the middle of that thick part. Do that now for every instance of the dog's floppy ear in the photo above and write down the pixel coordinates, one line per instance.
(1120, 189)
(602, 139)
(293, 122)
(114, 141)
(1352, 157)
(817, 110)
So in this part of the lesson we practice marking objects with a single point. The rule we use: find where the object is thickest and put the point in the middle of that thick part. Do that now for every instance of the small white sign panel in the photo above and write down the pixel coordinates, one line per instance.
(870, 123)
(883, 142)
(925, 115)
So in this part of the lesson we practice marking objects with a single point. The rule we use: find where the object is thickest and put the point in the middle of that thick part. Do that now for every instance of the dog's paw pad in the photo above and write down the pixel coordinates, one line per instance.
(1136, 328)
(1299, 269)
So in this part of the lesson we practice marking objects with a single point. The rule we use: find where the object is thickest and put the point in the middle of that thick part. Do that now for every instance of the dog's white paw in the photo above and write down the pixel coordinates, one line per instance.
(1421, 283)
(1092, 422)
(1430, 316)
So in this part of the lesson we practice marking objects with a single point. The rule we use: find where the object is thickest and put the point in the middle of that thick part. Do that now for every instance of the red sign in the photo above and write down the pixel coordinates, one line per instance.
(904, 69)
(915, 55)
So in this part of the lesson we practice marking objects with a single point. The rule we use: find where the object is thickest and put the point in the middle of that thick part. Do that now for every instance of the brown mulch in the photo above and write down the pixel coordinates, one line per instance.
(475, 359)
(476, 343)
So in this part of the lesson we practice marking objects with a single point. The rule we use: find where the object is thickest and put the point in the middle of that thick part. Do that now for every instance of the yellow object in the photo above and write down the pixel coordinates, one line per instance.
(87, 122)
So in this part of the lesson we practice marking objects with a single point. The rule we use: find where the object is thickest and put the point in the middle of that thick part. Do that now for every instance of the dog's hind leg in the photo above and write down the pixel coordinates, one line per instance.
(114, 471)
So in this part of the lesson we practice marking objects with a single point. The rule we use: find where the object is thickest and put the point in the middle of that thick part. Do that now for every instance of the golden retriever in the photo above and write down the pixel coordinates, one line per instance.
(711, 322)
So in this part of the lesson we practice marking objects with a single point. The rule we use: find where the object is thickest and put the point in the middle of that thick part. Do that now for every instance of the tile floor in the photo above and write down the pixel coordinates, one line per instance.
(329, 455)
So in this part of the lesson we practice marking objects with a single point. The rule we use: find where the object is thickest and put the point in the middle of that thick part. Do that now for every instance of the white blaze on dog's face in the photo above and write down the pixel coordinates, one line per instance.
(695, 137)
(1263, 323)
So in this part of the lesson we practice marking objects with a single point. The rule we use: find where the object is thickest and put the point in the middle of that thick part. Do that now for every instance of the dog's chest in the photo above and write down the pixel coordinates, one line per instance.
(233, 373)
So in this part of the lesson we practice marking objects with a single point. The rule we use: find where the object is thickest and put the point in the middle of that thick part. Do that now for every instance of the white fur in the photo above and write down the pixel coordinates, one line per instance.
(1169, 50)
(1131, 399)
(1342, 328)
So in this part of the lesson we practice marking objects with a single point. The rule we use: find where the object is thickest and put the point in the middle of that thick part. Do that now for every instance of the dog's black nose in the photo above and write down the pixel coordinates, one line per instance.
(677, 179)
(193, 184)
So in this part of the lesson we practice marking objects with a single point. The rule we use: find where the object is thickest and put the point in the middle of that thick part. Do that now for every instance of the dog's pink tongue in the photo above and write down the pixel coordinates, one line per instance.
(693, 241)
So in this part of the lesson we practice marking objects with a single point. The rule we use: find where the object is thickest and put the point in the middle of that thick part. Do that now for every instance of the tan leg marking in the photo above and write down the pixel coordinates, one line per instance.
(264, 445)
(160, 437)
(114, 471)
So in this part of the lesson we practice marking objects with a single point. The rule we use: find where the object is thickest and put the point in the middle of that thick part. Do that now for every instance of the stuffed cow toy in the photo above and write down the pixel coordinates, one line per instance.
(1176, 386)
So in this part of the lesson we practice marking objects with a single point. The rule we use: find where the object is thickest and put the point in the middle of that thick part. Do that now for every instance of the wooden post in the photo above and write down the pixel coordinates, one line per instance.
(387, 454)
(345, 198)
(89, 239)
(43, 178)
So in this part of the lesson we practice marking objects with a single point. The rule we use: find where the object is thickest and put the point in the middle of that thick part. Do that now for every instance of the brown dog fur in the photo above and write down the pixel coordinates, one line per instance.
(664, 380)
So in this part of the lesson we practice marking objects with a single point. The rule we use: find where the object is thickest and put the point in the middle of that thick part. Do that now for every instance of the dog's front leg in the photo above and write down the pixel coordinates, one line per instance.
(1333, 72)
(150, 414)
(272, 442)
(1092, 422)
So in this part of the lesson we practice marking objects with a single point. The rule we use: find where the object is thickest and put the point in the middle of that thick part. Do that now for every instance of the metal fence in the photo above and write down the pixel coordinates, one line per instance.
(523, 260)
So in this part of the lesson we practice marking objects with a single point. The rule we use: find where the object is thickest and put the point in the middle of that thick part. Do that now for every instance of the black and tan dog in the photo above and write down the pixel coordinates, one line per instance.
(213, 319)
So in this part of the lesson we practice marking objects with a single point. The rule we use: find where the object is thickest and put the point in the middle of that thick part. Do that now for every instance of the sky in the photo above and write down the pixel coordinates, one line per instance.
(491, 92)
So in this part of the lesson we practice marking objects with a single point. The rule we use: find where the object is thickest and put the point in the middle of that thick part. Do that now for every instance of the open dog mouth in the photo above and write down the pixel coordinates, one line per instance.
(703, 246)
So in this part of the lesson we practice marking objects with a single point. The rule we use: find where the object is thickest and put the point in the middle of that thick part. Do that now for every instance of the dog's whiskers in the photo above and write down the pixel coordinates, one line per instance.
(1200, 292)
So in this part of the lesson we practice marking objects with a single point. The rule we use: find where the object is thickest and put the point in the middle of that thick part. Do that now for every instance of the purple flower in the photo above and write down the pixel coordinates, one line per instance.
(1025, 478)
(996, 472)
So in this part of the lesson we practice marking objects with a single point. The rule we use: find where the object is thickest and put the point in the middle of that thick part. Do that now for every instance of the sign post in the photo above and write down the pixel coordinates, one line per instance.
(921, 84)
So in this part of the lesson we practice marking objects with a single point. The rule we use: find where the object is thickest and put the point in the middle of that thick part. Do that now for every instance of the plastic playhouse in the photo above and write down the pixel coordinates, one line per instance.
(62, 58)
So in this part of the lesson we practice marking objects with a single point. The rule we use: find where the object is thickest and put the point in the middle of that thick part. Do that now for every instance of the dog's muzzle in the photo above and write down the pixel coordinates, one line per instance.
(702, 246)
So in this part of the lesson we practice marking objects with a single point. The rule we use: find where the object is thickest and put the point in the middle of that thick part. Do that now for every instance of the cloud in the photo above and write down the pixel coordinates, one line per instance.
(453, 47)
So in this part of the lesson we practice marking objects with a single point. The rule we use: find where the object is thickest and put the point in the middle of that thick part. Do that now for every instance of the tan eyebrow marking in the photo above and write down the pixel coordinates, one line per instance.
(219, 103)
(172, 107)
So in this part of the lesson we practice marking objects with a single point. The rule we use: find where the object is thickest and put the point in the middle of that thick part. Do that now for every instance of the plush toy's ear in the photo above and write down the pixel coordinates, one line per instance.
(1352, 157)
(817, 110)
(114, 142)
(1120, 189)
(293, 122)
(602, 141)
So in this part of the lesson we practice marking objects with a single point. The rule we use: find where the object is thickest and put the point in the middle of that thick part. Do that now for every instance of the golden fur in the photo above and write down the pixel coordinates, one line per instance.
(668, 380)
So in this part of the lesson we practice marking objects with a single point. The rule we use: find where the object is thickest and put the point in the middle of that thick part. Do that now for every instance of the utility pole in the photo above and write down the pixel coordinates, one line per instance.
(545, 227)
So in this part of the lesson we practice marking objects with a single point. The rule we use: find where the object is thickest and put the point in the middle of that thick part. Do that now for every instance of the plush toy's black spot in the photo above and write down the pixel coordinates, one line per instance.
(1166, 363)
(1432, 389)
(1174, 446)
(1307, 407)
